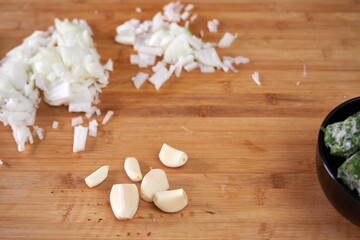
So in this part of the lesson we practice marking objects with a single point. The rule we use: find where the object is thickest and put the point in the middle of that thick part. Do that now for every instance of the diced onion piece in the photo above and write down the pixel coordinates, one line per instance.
(172, 11)
(39, 132)
(139, 79)
(206, 68)
(193, 17)
(185, 15)
(241, 59)
(109, 65)
(90, 112)
(1, 162)
(76, 121)
(208, 57)
(93, 128)
(138, 9)
(80, 135)
(227, 40)
(158, 66)
(255, 76)
(187, 23)
(134, 59)
(191, 66)
(79, 107)
(107, 117)
(55, 124)
(213, 25)
(150, 50)
(189, 7)
(160, 77)
(98, 112)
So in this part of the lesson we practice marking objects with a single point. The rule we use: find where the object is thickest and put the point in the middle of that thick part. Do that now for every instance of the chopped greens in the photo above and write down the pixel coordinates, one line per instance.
(349, 172)
(343, 138)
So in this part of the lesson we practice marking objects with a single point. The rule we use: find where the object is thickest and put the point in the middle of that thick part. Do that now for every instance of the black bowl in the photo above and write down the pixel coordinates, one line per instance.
(345, 201)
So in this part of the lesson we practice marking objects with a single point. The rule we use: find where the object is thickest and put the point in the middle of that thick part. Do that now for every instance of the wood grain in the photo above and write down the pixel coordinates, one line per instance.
(251, 169)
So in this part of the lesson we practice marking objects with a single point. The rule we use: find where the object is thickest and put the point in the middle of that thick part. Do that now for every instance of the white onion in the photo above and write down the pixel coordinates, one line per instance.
(76, 121)
(80, 135)
(185, 15)
(107, 117)
(255, 76)
(213, 25)
(189, 7)
(93, 128)
(165, 38)
(227, 40)
(55, 124)
(139, 79)
(39, 132)
(191, 66)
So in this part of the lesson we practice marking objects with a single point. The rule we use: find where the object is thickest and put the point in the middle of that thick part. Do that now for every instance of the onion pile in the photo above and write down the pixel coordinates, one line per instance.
(63, 63)
(177, 46)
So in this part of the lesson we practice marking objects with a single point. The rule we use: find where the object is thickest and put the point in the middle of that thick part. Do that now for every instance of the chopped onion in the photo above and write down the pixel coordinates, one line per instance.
(138, 9)
(163, 37)
(205, 68)
(158, 66)
(76, 121)
(191, 66)
(63, 63)
(55, 124)
(1, 162)
(107, 117)
(80, 135)
(93, 128)
(172, 11)
(39, 132)
(255, 76)
(109, 65)
(227, 40)
(139, 79)
(193, 17)
(185, 15)
(189, 7)
(213, 25)
(98, 112)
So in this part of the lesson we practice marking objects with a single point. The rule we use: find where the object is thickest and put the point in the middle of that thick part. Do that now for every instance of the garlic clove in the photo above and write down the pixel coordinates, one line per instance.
(124, 200)
(132, 169)
(172, 157)
(171, 201)
(154, 181)
(97, 177)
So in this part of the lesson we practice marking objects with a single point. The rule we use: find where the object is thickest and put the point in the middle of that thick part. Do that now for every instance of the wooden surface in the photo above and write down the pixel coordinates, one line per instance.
(251, 172)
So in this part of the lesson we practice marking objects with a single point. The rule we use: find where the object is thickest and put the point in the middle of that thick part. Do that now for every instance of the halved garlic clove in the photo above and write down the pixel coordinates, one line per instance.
(97, 177)
(172, 157)
(154, 181)
(132, 169)
(124, 200)
(171, 201)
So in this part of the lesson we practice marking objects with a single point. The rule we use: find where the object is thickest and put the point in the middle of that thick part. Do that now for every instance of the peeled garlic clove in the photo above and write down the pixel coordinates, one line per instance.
(132, 169)
(124, 200)
(171, 201)
(97, 177)
(172, 157)
(154, 181)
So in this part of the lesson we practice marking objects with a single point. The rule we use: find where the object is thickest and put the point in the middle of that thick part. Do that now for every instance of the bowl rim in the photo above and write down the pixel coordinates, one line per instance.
(321, 147)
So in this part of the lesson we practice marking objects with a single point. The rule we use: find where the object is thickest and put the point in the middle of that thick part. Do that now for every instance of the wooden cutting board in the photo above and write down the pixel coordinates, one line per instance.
(251, 169)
